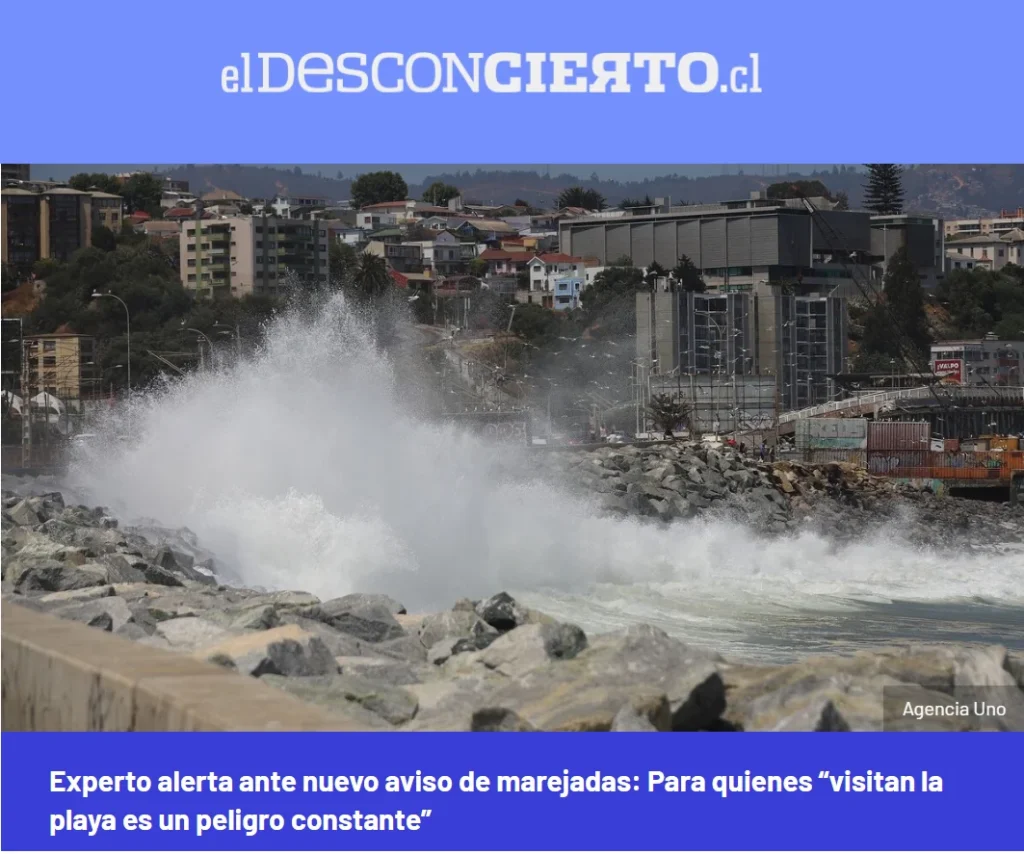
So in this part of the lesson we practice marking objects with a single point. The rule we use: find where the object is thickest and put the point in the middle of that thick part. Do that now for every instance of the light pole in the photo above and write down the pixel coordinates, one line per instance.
(128, 361)
(209, 343)
(224, 329)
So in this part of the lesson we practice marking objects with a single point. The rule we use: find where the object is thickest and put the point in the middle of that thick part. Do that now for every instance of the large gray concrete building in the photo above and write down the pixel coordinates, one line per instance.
(799, 341)
(734, 244)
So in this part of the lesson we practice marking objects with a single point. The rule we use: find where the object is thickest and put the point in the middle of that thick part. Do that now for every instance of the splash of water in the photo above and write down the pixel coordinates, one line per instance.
(306, 468)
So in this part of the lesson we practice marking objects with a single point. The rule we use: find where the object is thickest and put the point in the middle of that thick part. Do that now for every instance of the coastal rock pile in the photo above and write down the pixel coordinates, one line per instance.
(683, 480)
(487, 665)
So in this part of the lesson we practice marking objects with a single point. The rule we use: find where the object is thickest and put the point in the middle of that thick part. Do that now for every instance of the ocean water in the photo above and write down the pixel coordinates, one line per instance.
(311, 466)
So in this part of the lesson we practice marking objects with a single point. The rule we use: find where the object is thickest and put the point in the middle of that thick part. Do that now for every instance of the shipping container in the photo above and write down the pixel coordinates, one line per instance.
(974, 445)
(899, 436)
(826, 455)
(951, 446)
(1004, 443)
(831, 434)
(897, 463)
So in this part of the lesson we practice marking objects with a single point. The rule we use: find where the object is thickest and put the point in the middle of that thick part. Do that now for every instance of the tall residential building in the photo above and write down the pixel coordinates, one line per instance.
(52, 224)
(107, 211)
(62, 364)
(16, 172)
(243, 255)
(798, 340)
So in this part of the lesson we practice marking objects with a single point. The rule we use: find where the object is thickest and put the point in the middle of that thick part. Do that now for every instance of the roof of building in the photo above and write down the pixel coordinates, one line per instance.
(505, 255)
(184, 212)
(378, 205)
(223, 195)
(17, 191)
(1014, 235)
(99, 194)
(386, 232)
(64, 191)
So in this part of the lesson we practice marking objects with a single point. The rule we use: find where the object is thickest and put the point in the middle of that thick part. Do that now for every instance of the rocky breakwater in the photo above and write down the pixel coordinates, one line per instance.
(684, 480)
(488, 665)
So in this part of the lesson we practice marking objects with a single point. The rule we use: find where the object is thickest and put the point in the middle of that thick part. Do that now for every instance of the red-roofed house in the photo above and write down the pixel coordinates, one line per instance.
(501, 262)
(545, 269)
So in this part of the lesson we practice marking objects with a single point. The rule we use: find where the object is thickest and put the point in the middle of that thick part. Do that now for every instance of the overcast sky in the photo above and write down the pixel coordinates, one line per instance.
(416, 173)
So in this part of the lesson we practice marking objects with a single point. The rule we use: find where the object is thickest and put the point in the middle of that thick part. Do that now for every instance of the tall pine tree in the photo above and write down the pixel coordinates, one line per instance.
(883, 193)
(898, 326)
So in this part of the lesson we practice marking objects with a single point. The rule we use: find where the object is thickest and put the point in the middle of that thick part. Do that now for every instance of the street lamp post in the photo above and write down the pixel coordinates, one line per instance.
(128, 361)
(209, 343)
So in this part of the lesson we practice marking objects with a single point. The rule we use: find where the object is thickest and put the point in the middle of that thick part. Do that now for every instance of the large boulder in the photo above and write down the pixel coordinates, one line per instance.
(35, 575)
(284, 651)
(395, 705)
(367, 618)
(109, 613)
(586, 692)
(523, 649)
(501, 612)
(453, 624)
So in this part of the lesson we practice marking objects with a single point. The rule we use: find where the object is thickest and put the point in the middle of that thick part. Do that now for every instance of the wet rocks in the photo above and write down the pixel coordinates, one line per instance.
(493, 665)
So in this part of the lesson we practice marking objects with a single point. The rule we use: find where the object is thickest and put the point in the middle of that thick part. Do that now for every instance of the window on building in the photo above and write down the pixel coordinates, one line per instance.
(49, 361)
(49, 346)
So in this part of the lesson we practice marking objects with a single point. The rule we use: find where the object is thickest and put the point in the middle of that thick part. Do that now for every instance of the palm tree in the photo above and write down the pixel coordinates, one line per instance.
(371, 277)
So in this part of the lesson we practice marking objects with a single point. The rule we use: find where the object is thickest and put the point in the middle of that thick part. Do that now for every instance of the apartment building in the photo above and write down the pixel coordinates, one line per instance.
(53, 224)
(1006, 221)
(107, 211)
(16, 172)
(62, 364)
(238, 255)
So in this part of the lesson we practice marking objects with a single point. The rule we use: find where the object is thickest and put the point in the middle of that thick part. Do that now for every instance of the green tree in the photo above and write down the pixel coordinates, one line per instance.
(687, 276)
(797, 190)
(371, 277)
(610, 302)
(668, 412)
(375, 187)
(654, 272)
(440, 193)
(85, 181)
(578, 197)
(342, 261)
(478, 268)
(883, 192)
(897, 325)
(103, 238)
(142, 192)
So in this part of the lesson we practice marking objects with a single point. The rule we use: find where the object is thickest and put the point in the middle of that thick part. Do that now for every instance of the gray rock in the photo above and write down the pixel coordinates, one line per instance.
(395, 705)
(24, 514)
(284, 651)
(644, 714)
(406, 648)
(182, 565)
(51, 576)
(441, 651)
(526, 648)
(365, 618)
(501, 612)
(323, 691)
(586, 692)
(453, 624)
(498, 720)
(388, 671)
(189, 633)
(110, 613)
(339, 643)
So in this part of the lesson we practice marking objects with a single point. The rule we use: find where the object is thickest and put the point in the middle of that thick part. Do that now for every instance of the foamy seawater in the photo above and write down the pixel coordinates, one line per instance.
(305, 467)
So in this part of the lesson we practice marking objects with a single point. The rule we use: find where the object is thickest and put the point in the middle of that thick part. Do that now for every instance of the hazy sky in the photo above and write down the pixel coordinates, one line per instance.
(417, 172)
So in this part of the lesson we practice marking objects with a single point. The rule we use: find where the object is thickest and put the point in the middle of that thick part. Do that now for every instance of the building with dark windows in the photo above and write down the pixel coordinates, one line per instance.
(737, 246)
(797, 342)
(54, 223)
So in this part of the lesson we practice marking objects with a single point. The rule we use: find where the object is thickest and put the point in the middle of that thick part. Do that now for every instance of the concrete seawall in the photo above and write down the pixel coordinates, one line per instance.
(62, 676)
